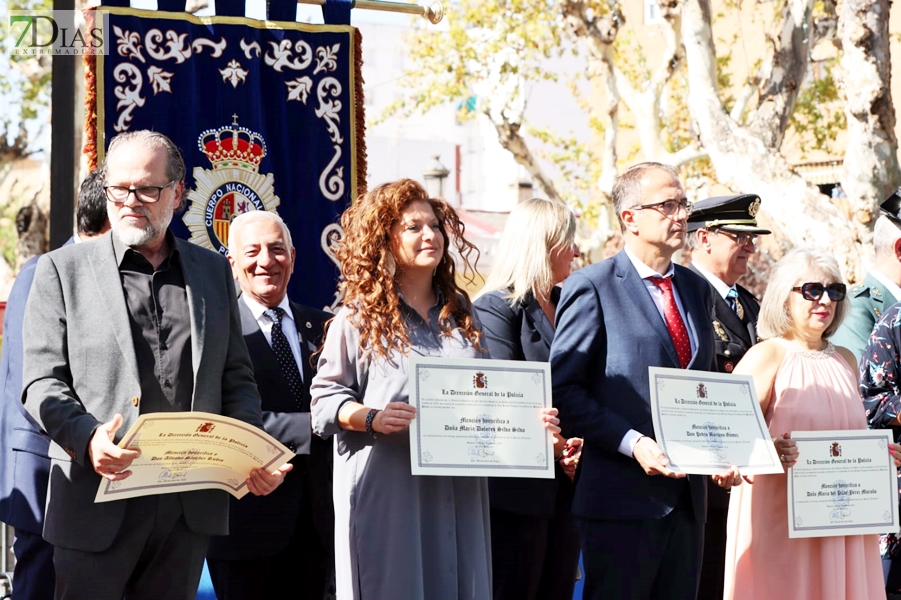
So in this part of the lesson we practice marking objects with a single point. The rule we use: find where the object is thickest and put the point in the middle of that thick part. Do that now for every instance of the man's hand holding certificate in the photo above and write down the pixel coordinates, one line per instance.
(177, 452)
(708, 423)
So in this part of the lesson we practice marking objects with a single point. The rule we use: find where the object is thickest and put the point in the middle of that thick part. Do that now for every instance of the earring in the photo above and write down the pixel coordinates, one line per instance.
(390, 264)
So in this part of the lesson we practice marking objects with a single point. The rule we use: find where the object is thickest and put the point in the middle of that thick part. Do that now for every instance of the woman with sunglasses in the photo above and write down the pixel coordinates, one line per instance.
(803, 383)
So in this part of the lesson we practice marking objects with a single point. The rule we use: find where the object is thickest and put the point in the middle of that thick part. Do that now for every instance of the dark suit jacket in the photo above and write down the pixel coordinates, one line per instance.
(24, 463)
(733, 336)
(261, 526)
(609, 332)
(24, 458)
(80, 369)
(522, 332)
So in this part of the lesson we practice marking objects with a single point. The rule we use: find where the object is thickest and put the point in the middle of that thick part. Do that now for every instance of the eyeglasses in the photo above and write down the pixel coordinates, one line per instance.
(813, 291)
(146, 193)
(667, 207)
(742, 239)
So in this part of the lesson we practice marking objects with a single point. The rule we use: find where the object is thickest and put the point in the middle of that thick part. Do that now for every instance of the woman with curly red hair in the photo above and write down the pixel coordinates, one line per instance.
(398, 536)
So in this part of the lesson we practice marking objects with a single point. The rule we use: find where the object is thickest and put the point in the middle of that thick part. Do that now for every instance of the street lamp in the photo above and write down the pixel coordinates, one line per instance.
(434, 177)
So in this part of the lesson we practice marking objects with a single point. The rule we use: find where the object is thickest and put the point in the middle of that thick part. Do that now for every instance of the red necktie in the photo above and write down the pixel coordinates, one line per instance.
(674, 322)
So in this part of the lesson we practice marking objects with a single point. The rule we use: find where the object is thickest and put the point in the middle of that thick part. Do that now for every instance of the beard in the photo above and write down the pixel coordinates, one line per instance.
(134, 236)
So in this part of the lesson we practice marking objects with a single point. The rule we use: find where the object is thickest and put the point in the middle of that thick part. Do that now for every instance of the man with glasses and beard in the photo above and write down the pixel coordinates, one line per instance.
(722, 235)
(133, 323)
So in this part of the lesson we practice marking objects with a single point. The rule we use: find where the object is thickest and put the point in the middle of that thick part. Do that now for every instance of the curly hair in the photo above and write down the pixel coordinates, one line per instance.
(368, 268)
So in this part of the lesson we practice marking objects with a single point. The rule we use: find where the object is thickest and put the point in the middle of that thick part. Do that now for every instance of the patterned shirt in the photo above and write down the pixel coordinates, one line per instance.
(880, 387)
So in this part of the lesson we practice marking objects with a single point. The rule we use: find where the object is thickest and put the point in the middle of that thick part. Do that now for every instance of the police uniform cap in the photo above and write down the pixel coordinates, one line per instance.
(732, 213)
(891, 207)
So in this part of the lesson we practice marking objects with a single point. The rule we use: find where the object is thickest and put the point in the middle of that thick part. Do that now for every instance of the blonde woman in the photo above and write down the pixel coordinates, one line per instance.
(535, 545)
(803, 383)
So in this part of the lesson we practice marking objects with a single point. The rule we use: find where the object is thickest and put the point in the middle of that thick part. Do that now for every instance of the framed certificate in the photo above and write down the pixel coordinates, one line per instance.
(707, 422)
(844, 483)
(480, 418)
(185, 451)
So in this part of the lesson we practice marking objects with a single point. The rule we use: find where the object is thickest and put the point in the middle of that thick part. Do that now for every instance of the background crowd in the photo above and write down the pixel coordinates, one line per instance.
(137, 321)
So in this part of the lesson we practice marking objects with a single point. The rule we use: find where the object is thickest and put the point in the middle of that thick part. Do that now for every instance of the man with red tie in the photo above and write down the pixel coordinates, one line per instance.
(642, 524)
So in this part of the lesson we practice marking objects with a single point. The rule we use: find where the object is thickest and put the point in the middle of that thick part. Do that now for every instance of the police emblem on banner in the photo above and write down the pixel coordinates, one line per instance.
(232, 187)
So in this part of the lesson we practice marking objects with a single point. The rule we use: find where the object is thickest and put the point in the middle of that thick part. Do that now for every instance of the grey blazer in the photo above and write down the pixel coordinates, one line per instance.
(80, 370)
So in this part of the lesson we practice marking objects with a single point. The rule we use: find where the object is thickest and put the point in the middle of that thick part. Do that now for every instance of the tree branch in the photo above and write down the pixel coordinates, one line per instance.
(510, 139)
(786, 73)
(871, 169)
(686, 155)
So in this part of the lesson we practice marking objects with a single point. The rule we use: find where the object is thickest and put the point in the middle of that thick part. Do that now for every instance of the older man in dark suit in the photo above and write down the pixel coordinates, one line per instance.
(641, 523)
(722, 232)
(132, 323)
(284, 541)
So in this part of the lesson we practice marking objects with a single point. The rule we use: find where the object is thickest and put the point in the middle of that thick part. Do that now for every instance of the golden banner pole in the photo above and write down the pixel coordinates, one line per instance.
(434, 12)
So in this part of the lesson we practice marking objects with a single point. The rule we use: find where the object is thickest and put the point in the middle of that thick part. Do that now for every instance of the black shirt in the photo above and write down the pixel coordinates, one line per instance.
(160, 326)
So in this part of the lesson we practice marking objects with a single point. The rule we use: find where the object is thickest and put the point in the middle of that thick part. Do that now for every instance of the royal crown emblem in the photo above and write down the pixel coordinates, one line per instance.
(232, 187)
(233, 146)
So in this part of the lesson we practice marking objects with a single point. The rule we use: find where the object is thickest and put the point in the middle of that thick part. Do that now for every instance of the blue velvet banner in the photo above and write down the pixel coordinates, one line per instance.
(264, 117)
(337, 12)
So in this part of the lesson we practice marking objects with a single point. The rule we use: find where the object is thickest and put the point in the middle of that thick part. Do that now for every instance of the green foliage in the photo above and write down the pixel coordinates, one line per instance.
(502, 40)
(573, 160)
(724, 70)
(677, 125)
(630, 58)
(24, 81)
(8, 235)
(818, 117)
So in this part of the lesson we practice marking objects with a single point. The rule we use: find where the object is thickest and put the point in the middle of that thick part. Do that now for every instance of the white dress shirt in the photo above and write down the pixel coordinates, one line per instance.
(289, 328)
(718, 284)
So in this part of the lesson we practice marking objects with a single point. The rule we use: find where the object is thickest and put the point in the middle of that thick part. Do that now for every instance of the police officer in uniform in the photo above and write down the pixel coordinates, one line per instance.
(722, 233)
(881, 287)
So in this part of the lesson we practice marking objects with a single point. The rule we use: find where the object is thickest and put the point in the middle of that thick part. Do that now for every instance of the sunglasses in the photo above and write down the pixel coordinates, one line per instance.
(813, 291)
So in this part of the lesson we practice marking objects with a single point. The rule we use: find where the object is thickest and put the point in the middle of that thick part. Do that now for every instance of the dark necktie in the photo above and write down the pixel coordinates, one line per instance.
(674, 322)
(284, 355)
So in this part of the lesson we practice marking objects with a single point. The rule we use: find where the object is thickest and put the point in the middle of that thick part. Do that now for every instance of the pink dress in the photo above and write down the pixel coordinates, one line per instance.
(812, 391)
